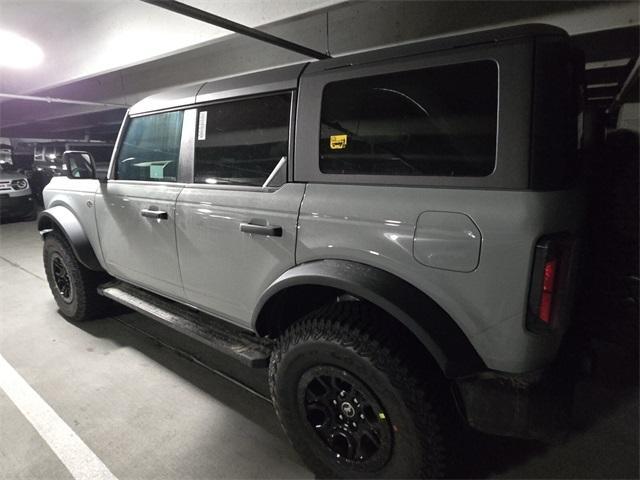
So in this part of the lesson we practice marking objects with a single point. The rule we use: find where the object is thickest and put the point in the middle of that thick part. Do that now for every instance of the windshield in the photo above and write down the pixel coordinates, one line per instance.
(7, 167)
(6, 156)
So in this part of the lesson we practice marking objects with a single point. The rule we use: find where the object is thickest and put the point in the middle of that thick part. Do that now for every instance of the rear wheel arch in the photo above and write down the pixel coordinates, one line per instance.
(61, 219)
(309, 286)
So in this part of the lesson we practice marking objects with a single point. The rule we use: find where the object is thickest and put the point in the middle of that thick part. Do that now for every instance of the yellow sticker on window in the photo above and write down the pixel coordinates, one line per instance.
(338, 142)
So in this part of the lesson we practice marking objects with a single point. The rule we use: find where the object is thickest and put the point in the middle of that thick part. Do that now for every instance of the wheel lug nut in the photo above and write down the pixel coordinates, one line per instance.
(335, 402)
(354, 424)
(340, 417)
(362, 416)
(342, 394)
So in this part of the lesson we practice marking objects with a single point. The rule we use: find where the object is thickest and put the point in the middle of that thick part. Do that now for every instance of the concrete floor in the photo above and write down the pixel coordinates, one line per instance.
(148, 412)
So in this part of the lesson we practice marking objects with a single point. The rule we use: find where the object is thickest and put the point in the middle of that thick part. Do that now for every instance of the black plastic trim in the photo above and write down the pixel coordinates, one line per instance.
(270, 230)
(431, 325)
(534, 405)
(75, 235)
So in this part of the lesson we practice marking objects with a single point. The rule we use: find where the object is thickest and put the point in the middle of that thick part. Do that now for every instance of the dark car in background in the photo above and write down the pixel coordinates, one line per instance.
(16, 198)
(47, 161)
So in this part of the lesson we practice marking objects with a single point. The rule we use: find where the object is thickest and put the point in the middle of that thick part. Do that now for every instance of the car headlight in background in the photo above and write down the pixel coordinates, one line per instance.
(19, 184)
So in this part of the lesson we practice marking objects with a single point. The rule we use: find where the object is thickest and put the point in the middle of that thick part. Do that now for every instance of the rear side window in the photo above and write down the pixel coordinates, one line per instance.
(242, 142)
(438, 121)
(151, 148)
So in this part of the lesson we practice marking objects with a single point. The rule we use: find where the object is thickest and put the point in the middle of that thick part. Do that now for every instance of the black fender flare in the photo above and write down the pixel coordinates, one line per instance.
(62, 219)
(432, 326)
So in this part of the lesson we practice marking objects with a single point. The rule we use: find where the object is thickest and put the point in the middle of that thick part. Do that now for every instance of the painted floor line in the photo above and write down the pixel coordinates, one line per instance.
(17, 265)
(81, 462)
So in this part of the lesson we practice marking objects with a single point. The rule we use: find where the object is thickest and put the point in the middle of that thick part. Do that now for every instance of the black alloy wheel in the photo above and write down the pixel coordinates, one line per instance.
(352, 404)
(73, 285)
(61, 278)
(346, 416)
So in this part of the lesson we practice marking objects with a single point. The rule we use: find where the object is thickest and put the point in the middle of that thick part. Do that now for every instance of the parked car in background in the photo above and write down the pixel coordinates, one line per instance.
(16, 198)
(6, 151)
(47, 161)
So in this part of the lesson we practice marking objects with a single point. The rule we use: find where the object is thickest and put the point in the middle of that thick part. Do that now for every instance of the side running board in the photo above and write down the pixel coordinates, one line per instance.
(232, 341)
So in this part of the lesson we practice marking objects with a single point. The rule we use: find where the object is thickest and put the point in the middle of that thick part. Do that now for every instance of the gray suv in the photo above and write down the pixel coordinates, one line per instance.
(391, 233)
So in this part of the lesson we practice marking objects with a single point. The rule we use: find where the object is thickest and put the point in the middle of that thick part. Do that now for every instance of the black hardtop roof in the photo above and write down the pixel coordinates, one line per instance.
(282, 78)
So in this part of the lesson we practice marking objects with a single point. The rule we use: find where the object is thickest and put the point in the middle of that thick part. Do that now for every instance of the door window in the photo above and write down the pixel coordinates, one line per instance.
(438, 121)
(151, 148)
(243, 142)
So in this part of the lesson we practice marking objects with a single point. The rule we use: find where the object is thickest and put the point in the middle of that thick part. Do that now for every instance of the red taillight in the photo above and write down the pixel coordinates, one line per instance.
(546, 297)
(548, 281)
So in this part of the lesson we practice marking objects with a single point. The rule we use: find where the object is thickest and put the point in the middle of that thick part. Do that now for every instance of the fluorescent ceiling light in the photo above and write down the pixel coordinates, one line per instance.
(603, 85)
(618, 62)
(18, 52)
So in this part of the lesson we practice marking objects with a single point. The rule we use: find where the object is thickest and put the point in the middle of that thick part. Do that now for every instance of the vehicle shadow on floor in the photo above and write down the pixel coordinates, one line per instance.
(483, 455)
(152, 340)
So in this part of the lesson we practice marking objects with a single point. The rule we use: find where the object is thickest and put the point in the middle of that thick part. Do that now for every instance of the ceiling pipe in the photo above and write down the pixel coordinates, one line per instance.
(32, 98)
(212, 19)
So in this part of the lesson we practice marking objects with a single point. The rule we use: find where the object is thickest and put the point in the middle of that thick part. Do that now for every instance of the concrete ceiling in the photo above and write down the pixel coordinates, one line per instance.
(118, 51)
(82, 38)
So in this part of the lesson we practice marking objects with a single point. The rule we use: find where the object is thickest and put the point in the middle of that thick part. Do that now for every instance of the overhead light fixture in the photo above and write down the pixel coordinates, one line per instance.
(18, 52)
(603, 85)
(617, 62)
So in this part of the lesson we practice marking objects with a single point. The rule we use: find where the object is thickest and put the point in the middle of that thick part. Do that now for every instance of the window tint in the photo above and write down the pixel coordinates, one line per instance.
(435, 121)
(242, 142)
(151, 148)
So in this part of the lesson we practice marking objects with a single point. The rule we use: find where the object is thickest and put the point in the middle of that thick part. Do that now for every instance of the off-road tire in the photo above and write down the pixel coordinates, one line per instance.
(345, 335)
(84, 302)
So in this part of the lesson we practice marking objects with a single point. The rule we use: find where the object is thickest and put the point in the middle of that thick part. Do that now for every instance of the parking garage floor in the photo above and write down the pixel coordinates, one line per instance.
(147, 411)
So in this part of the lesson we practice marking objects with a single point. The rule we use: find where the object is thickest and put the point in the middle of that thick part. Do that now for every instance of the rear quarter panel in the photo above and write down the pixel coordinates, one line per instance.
(375, 225)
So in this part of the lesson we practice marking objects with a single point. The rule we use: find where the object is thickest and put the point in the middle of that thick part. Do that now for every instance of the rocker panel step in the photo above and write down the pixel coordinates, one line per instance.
(232, 341)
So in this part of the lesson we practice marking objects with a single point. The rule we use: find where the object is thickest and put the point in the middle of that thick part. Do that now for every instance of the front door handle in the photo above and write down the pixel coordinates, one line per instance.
(146, 212)
(270, 230)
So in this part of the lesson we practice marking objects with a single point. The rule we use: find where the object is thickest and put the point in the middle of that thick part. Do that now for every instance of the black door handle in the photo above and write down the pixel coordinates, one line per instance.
(147, 212)
(270, 230)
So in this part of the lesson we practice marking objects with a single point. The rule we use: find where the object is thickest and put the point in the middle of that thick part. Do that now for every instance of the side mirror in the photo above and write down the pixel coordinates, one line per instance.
(79, 164)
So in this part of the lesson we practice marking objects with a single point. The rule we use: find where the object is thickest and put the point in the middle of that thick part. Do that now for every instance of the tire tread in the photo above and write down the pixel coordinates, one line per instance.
(87, 301)
(358, 326)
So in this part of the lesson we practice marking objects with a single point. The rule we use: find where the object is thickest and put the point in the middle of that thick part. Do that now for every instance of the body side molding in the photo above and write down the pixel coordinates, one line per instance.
(62, 218)
(433, 327)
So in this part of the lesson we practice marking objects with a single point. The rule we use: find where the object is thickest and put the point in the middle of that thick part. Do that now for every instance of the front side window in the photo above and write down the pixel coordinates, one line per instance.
(438, 121)
(243, 142)
(151, 148)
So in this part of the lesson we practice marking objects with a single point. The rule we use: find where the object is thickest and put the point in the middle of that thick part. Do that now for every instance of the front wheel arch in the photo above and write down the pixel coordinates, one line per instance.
(61, 219)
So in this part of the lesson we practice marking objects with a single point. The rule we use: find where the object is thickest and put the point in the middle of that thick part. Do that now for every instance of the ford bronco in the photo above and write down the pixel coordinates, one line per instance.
(16, 198)
(392, 233)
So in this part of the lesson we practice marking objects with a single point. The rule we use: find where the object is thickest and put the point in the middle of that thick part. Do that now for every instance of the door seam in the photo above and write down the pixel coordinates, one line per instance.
(175, 234)
(295, 243)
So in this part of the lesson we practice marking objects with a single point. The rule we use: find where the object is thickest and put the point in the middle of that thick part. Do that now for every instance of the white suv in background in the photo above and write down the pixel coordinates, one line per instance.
(16, 198)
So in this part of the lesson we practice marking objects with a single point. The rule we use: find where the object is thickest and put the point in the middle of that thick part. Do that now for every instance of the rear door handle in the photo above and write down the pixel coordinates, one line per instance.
(146, 212)
(270, 230)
